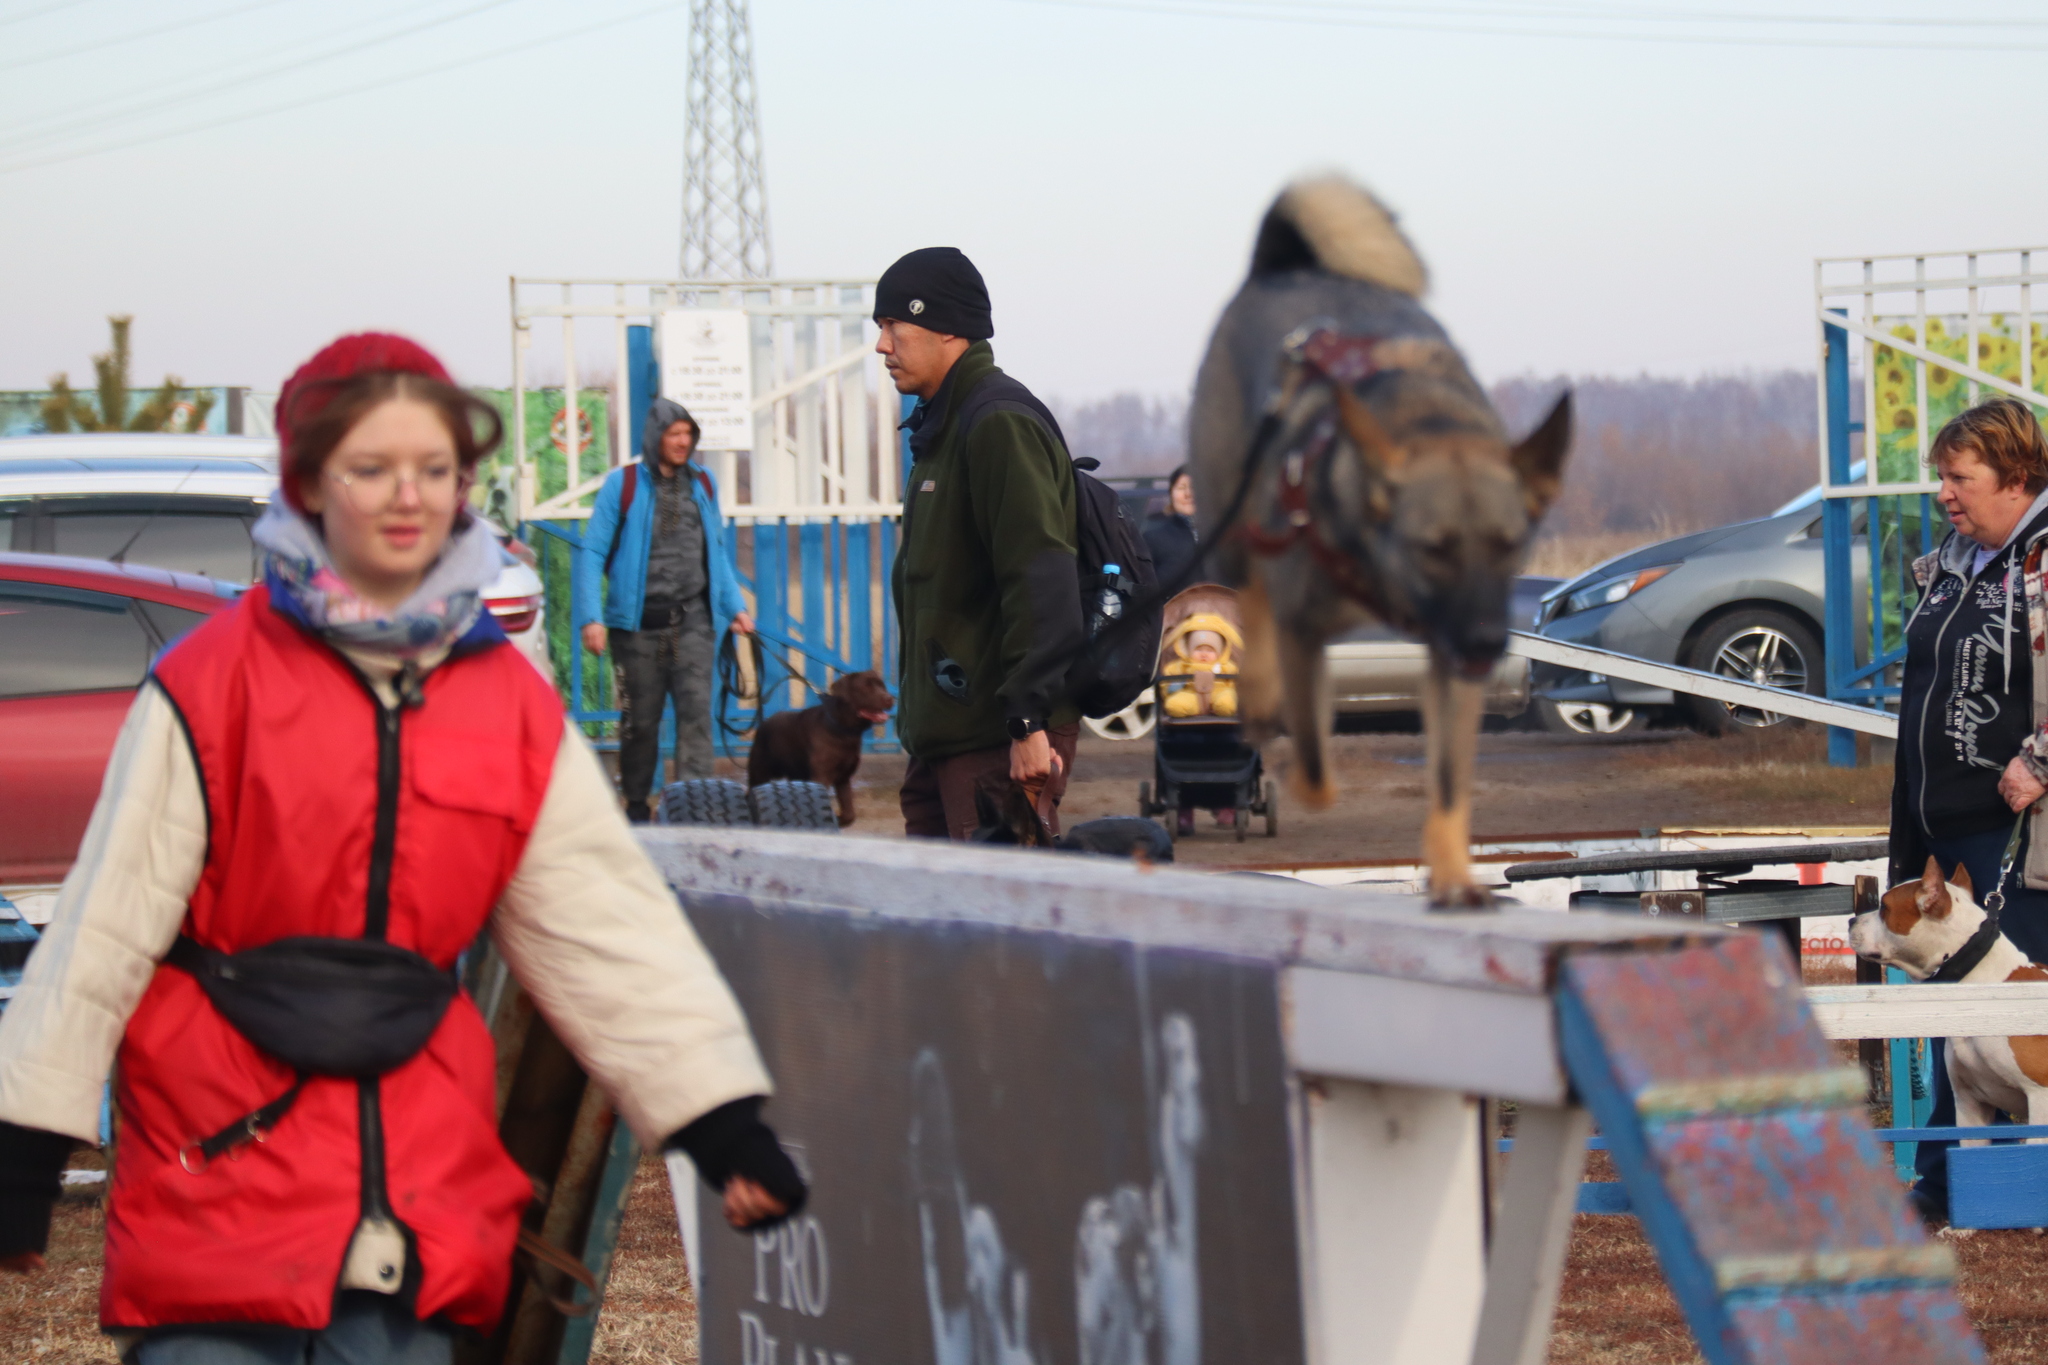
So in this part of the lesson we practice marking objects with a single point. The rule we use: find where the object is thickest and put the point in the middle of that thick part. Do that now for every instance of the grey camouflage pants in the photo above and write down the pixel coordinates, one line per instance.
(648, 668)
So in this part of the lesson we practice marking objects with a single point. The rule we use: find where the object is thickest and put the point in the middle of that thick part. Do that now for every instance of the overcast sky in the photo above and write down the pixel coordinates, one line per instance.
(1587, 203)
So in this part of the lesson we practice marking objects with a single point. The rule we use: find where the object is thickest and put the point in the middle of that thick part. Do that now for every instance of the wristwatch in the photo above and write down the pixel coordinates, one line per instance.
(1022, 728)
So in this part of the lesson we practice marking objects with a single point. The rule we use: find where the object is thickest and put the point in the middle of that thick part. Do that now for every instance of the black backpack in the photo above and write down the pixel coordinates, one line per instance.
(1102, 680)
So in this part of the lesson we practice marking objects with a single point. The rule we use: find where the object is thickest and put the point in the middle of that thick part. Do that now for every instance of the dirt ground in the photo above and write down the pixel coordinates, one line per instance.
(1672, 779)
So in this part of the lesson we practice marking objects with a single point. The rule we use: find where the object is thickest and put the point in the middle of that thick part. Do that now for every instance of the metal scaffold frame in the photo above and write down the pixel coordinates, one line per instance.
(1912, 367)
(813, 506)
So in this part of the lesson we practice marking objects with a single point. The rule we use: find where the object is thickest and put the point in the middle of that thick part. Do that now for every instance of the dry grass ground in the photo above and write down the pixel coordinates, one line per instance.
(1614, 1310)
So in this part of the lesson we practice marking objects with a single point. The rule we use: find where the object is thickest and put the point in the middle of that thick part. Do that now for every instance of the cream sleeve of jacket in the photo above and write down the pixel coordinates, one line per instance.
(587, 926)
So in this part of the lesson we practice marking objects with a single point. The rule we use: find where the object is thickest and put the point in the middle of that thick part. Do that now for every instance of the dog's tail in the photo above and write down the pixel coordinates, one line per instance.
(1335, 224)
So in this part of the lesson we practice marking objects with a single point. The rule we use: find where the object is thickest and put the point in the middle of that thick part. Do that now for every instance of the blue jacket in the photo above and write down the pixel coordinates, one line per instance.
(626, 590)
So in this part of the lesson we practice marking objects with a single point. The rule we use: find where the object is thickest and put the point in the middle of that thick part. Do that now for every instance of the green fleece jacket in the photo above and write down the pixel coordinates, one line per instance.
(987, 598)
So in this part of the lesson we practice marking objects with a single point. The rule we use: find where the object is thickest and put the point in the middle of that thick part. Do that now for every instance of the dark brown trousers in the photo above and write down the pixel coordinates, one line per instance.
(938, 797)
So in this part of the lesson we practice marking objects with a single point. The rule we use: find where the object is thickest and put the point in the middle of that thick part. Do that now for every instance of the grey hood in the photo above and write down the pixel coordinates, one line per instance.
(662, 414)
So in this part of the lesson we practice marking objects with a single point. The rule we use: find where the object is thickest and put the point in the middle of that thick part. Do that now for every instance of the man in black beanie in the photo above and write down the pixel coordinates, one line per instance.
(986, 590)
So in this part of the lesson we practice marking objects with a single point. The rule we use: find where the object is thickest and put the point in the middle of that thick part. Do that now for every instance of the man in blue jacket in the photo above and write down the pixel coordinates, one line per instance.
(658, 538)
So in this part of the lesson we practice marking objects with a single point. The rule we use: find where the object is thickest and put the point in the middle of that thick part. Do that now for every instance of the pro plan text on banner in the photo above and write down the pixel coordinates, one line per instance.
(707, 365)
(1023, 1149)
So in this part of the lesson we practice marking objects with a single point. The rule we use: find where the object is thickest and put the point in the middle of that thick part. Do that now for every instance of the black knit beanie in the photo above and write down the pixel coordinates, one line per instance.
(938, 288)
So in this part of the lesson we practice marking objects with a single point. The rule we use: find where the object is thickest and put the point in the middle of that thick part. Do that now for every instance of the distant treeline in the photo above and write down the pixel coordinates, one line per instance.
(1652, 455)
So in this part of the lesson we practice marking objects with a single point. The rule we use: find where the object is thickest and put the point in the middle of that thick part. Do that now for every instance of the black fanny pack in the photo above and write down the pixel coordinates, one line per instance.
(325, 1006)
(350, 1007)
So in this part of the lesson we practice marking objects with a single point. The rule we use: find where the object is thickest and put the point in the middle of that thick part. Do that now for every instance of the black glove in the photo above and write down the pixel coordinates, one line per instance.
(31, 1178)
(731, 1140)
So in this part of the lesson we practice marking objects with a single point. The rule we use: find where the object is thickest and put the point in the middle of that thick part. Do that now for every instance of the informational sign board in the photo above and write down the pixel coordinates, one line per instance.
(1024, 1149)
(707, 365)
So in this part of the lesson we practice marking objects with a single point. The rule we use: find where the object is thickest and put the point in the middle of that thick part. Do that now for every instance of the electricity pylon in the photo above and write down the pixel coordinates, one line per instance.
(725, 204)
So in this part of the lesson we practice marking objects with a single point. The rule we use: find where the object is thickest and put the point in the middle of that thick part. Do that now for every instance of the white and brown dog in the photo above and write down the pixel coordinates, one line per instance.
(1934, 930)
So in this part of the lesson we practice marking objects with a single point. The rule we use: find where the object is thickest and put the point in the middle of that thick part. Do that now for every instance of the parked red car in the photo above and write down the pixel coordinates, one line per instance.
(76, 640)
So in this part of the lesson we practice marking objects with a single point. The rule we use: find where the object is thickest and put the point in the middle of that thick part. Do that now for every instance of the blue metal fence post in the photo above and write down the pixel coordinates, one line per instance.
(643, 382)
(1839, 607)
(859, 647)
(811, 570)
(771, 595)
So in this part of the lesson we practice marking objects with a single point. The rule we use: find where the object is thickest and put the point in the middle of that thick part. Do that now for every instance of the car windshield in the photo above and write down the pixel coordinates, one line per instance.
(1812, 495)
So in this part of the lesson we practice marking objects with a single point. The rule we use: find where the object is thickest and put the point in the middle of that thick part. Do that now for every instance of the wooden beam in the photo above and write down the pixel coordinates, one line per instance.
(1961, 1010)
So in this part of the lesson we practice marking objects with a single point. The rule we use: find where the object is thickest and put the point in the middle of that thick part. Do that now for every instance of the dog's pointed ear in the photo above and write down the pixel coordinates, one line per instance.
(1962, 880)
(1539, 460)
(1379, 450)
(1933, 897)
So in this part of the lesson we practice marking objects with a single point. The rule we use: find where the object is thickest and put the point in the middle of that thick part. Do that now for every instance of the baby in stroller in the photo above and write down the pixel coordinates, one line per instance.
(1201, 646)
(1199, 758)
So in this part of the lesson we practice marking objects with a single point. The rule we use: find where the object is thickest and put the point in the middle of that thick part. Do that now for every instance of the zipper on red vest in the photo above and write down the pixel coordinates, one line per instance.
(376, 1196)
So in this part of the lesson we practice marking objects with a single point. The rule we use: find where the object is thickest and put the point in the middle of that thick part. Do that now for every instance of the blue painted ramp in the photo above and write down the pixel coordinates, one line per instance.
(1743, 1147)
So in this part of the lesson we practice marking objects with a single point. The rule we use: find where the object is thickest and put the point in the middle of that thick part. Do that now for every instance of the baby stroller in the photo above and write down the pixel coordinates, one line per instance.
(1200, 760)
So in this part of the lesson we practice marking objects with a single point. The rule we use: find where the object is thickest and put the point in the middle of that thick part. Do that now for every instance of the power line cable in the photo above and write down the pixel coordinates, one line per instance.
(137, 36)
(39, 13)
(1352, 17)
(1636, 14)
(475, 59)
(85, 123)
(182, 83)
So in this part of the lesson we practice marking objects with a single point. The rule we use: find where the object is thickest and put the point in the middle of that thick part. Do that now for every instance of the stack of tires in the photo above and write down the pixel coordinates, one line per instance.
(772, 805)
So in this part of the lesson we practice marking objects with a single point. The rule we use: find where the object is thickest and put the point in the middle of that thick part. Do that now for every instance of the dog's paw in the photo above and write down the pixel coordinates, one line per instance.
(1464, 896)
(1317, 796)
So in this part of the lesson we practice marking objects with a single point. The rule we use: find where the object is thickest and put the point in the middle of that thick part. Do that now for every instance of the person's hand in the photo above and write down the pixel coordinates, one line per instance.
(23, 1262)
(743, 623)
(594, 636)
(2019, 786)
(1031, 758)
(747, 1203)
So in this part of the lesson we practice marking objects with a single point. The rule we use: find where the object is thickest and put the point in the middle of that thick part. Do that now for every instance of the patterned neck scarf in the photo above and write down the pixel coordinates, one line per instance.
(442, 608)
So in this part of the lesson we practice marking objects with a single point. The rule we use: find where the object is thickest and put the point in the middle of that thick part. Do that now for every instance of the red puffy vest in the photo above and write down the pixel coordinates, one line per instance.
(288, 739)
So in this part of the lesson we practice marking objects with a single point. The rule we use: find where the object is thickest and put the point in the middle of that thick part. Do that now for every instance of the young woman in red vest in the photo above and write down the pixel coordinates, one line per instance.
(352, 768)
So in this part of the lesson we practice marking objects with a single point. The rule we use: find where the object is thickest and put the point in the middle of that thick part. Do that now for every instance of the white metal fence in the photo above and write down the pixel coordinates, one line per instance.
(823, 414)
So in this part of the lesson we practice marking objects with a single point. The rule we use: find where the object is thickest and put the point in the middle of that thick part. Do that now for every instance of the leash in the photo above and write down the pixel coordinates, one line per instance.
(1994, 904)
(732, 683)
(1330, 357)
(1964, 960)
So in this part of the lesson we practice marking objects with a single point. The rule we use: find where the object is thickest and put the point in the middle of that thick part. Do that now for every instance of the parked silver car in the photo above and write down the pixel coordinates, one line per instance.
(1744, 601)
(184, 503)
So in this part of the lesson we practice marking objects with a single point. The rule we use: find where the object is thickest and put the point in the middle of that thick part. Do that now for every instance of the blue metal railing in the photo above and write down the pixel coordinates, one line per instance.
(1888, 532)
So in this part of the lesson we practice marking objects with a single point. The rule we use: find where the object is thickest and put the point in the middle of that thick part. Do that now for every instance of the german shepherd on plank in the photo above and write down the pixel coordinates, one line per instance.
(1364, 476)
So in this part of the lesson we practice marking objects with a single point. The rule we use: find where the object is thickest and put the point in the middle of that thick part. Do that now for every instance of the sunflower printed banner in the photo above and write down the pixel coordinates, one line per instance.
(1948, 393)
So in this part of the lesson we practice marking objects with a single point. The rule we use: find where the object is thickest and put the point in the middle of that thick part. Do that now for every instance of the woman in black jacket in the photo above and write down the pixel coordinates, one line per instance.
(1972, 753)
(1170, 535)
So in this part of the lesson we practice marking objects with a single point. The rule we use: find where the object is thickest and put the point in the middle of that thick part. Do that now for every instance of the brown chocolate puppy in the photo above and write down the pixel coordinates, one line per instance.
(822, 743)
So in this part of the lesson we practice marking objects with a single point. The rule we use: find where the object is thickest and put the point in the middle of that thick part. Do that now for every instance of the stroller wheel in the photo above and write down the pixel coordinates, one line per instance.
(1272, 812)
(1145, 799)
(1243, 822)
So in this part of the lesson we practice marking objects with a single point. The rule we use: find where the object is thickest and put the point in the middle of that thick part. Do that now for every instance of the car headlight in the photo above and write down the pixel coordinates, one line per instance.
(1611, 590)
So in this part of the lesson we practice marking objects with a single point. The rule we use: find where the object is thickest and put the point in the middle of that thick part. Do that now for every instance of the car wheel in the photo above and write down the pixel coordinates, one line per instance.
(1133, 722)
(1590, 717)
(1767, 647)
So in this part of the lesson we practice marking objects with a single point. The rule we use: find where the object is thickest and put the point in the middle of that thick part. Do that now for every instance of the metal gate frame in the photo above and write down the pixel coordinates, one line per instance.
(1847, 291)
(813, 509)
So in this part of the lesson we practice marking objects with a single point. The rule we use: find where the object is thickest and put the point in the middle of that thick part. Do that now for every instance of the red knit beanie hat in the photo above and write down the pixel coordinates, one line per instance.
(312, 385)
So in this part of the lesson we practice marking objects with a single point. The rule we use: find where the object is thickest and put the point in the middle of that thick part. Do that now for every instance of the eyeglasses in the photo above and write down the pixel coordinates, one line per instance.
(371, 489)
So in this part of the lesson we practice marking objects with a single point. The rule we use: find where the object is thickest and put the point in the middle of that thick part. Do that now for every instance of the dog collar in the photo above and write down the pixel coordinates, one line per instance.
(1964, 960)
